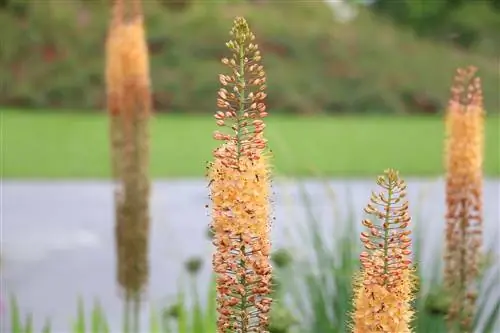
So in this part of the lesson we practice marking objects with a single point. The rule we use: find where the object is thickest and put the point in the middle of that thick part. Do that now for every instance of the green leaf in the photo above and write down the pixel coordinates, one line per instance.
(17, 326)
(182, 319)
(79, 325)
(211, 312)
(28, 328)
(47, 326)
(154, 321)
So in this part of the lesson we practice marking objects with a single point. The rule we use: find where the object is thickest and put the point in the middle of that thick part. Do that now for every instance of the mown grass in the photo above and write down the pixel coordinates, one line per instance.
(37, 144)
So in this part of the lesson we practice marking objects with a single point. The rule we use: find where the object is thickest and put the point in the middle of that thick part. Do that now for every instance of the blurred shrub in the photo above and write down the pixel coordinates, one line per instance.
(465, 24)
(52, 57)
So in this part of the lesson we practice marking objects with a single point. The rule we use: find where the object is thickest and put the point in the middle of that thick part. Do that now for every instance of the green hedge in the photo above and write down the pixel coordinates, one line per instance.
(52, 56)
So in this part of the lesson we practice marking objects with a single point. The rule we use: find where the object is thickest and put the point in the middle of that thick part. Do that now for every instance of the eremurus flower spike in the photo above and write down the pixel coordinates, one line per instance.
(129, 104)
(239, 186)
(241, 97)
(384, 289)
(464, 157)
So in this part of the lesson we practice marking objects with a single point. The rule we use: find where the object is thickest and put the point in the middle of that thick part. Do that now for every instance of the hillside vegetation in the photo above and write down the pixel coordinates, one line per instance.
(53, 58)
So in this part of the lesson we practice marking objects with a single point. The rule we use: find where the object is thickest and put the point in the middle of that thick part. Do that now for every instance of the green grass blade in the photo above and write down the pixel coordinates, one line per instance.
(182, 318)
(211, 312)
(47, 327)
(28, 327)
(154, 321)
(197, 312)
(17, 326)
(492, 318)
(95, 321)
(488, 286)
(79, 325)
(98, 319)
(104, 325)
(169, 318)
(167, 326)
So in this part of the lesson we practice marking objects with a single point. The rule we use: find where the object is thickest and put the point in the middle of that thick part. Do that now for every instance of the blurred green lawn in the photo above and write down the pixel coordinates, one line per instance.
(38, 144)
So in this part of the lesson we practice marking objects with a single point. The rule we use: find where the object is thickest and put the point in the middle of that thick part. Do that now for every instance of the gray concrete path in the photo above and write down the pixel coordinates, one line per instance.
(57, 237)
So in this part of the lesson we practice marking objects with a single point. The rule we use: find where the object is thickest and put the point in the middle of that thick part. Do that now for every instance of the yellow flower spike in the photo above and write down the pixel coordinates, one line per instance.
(464, 158)
(384, 288)
(239, 191)
(129, 107)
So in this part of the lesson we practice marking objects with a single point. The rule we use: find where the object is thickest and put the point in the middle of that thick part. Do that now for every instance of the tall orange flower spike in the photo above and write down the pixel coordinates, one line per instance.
(464, 207)
(239, 187)
(129, 108)
(384, 289)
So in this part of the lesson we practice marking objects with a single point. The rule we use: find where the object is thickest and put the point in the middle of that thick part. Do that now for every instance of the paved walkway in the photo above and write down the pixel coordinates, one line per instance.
(57, 240)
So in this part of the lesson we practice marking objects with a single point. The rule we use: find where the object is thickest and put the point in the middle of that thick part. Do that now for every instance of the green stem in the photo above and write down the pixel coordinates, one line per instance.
(386, 230)
(137, 313)
(243, 303)
(241, 111)
(126, 314)
(463, 264)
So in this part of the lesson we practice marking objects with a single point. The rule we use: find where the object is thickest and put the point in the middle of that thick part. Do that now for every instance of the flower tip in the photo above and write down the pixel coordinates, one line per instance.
(241, 30)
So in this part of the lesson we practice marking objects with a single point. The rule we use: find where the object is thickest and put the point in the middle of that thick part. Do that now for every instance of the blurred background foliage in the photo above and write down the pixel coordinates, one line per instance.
(390, 57)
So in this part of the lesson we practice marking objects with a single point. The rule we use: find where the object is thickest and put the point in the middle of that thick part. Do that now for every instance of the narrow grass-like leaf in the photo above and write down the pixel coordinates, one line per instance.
(182, 318)
(47, 327)
(328, 286)
(197, 312)
(316, 280)
(28, 327)
(166, 324)
(492, 319)
(211, 312)
(427, 319)
(16, 324)
(154, 321)
(79, 325)
(95, 319)
(98, 320)
(488, 310)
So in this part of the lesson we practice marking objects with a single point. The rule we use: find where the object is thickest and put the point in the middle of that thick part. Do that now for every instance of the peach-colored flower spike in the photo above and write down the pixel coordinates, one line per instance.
(384, 289)
(129, 108)
(239, 186)
(464, 158)
(241, 99)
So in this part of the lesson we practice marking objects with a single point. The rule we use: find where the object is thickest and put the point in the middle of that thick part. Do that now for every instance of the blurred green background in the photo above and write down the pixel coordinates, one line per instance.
(351, 58)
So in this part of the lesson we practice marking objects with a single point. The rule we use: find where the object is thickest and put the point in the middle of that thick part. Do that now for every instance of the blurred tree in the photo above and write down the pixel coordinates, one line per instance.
(463, 23)
(176, 5)
(17, 7)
